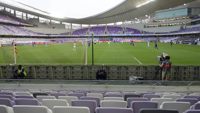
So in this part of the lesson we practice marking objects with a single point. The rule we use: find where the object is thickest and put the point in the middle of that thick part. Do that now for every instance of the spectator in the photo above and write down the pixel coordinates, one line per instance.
(166, 68)
(20, 73)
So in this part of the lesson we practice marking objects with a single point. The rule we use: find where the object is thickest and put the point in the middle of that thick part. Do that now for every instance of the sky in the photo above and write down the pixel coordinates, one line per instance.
(72, 8)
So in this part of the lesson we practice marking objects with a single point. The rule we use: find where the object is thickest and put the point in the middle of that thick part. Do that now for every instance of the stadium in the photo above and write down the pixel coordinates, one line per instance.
(100, 56)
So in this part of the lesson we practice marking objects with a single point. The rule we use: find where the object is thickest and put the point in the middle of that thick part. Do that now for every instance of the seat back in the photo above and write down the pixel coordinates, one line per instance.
(50, 103)
(192, 111)
(25, 101)
(131, 99)
(113, 103)
(6, 101)
(113, 98)
(192, 101)
(157, 111)
(150, 96)
(197, 106)
(113, 110)
(91, 104)
(22, 94)
(97, 95)
(40, 98)
(91, 98)
(161, 100)
(172, 96)
(137, 106)
(76, 94)
(70, 109)
(5, 109)
(180, 106)
(69, 99)
(30, 109)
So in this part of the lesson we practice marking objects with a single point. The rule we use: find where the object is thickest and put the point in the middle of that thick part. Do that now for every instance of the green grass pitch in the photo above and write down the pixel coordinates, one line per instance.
(104, 53)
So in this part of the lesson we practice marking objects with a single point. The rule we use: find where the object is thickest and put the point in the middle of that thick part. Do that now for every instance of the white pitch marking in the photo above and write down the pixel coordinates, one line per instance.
(139, 62)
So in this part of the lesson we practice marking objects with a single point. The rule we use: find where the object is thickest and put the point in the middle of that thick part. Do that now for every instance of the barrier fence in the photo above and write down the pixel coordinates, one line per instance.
(82, 72)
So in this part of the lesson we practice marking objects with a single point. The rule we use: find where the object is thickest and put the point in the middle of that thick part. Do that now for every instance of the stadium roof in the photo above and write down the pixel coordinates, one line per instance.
(122, 11)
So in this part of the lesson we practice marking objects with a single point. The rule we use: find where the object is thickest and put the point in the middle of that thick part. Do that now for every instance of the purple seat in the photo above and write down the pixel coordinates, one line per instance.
(192, 101)
(150, 96)
(91, 98)
(197, 106)
(113, 94)
(57, 94)
(91, 104)
(129, 100)
(192, 111)
(190, 96)
(26, 101)
(76, 94)
(134, 95)
(6, 93)
(113, 110)
(157, 111)
(24, 96)
(137, 106)
(7, 96)
(6, 101)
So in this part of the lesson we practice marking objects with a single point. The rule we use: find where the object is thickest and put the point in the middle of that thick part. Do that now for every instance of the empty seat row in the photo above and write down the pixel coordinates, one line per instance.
(73, 109)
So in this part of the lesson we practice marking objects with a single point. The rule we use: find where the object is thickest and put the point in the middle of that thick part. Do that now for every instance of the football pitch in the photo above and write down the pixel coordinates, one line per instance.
(104, 54)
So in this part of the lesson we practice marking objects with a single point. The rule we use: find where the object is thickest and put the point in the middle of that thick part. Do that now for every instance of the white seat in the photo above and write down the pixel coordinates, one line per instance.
(31, 109)
(40, 98)
(98, 95)
(113, 98)
(69, 99)
(22, 94)
(179, 106)
(161, 100)
(50, 103)
(70, 109)
(5, 109)
(172, 96)
(113, 103)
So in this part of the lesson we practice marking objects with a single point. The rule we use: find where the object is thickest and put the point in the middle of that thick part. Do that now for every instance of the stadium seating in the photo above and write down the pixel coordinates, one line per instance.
(161, 100)
(91, 104)
(69, 99)
(192, 111)
(30, 109)
(25, 101)
(50, 103)
(196, 106)
(180, 106)
(158, 111)
(70, 109)
(113, 103)
(150, 96)
(113, 110)
(190, 100)
(91, 98)
(113, 98)
(137, 106)
(40, 98)
(76, 94)
(98, 95)
(5, 109)
(6, 101)
(131, 99)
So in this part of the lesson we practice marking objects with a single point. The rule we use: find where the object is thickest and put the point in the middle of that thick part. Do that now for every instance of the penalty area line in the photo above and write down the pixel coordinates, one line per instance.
(138, 61)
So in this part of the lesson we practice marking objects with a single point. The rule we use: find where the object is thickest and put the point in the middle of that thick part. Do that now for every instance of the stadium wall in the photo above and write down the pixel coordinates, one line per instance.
(47, 30)
(62, 72)
(140, 27)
